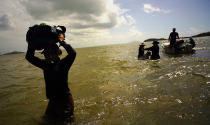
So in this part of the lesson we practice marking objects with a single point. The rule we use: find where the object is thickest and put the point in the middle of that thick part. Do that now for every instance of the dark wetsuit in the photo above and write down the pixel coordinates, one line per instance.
(172, 38)
(155, 52)
(192, 42)
(141, 51)
(55, 74)
(56, 82)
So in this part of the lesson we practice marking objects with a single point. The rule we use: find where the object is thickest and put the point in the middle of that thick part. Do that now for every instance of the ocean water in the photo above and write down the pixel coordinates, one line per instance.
(111, 87)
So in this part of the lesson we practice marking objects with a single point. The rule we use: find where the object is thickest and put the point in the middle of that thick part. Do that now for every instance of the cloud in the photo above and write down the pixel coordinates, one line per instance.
(5, 23)
(130, 20)
(104, 37)
(98, 25)
(43, 9)
(193, 31)
(148, 8)
(99, 14)
(88, 22)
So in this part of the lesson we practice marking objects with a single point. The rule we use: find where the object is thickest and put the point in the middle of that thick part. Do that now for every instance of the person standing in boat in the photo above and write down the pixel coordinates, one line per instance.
(155, 50)
(172, 37)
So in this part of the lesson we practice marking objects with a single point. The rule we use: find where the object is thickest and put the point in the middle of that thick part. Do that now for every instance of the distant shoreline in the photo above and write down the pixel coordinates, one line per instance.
(19, 52)
(147, 40)
(11, 53)
(154, 39)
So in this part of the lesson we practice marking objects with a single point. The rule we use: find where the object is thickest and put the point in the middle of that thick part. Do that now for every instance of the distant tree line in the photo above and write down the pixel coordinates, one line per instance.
(202, 34)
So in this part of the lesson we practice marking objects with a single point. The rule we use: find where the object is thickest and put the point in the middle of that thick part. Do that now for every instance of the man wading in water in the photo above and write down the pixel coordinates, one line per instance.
(61, 105)
(155, 50)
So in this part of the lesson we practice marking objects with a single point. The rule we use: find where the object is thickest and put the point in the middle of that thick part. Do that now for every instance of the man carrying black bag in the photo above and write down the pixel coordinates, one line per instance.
(60, 108)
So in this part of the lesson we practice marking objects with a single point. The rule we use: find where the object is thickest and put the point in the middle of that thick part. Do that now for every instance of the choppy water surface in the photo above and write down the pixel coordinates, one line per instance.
(110, 86)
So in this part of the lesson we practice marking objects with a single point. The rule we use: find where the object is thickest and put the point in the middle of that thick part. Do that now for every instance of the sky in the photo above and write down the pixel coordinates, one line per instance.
(102, 22)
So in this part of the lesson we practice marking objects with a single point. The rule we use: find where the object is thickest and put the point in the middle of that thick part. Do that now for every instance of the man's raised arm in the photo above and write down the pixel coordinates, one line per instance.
(32, 59)
(69, 59)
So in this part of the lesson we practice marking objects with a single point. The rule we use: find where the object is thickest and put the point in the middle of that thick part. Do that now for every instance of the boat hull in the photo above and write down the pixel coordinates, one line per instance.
(185, 49)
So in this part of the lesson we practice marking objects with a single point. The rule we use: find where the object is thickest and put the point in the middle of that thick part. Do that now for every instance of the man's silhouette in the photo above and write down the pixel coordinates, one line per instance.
(155, 50)
(61, 105)
(172, 37)
(141, 51)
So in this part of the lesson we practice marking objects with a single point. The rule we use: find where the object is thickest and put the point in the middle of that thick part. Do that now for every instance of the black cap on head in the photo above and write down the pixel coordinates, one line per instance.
(63, 28)
(142, 44)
